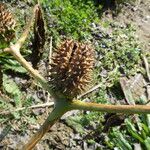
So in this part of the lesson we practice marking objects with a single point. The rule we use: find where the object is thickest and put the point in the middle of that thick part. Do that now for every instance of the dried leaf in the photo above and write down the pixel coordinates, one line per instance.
(133, 88)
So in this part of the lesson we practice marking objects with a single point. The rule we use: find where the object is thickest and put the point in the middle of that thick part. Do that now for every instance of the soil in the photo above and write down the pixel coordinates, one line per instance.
(61, 136)
(139, 16)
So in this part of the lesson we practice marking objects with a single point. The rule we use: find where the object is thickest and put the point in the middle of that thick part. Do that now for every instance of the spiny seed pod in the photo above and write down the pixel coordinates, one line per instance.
(71, 68)
(7, 24)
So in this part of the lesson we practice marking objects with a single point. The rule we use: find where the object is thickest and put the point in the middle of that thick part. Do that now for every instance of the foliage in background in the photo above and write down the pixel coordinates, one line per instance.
(136, 132)
(71, 18)
(117, 52)
(113, 3)
(7, 61)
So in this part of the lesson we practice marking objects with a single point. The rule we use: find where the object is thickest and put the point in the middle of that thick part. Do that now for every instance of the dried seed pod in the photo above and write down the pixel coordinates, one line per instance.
(39, 37)
(7, 24)
(71, 68)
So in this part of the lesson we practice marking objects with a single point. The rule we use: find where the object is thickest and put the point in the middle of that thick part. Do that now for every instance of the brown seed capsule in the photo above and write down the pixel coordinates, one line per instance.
(7, 24)
(71, 68)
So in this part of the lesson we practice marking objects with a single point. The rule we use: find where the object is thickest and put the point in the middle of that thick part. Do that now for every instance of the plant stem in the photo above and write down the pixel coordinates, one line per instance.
(125, 109)
(63, 106)
(16, 53)
(58, 111)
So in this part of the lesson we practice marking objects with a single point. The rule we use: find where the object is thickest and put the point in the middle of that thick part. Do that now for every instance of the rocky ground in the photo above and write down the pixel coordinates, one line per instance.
(139, 16)
(62, 136)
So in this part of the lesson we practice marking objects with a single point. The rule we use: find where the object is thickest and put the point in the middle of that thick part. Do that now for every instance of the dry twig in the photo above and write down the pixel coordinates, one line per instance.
(50, 51)
(48, 104)
(146, 67)
(91, 90)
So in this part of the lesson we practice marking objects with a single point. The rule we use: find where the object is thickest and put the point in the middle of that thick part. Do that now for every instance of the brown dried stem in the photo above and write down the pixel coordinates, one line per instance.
(47, 104)
(146, 66)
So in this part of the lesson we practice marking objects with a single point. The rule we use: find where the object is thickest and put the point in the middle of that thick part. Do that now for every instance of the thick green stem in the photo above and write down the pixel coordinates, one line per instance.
(63, 106)
(126, 109)
(58, 111)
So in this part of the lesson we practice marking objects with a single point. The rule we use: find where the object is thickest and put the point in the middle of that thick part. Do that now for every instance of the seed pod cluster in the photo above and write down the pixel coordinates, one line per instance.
(71, 68)
(7, 24)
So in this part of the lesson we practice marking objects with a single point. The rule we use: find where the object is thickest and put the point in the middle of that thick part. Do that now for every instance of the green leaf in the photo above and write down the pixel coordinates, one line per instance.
(74, 122)
(146, 129)
(120, 140)
(10, 86)
(13, 65)
(147, 143)
(133, 131)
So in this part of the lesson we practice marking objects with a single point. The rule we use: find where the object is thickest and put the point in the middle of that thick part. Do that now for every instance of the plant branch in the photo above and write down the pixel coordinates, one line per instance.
(59, 110)
(63, 106)
(126, 109)
(34, 73)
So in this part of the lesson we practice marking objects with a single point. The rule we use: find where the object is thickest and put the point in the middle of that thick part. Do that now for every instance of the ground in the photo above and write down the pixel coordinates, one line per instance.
(62, 136)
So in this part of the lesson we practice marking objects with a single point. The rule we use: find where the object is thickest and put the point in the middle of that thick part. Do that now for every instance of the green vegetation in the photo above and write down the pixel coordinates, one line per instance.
(135, 131)
(118, 52)
(71, 18)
